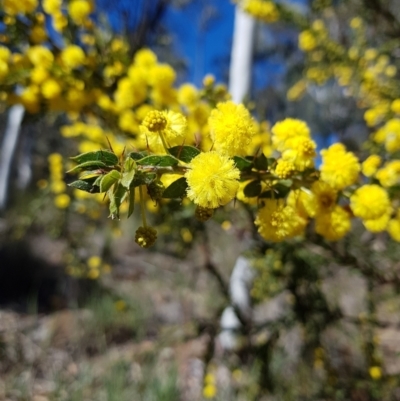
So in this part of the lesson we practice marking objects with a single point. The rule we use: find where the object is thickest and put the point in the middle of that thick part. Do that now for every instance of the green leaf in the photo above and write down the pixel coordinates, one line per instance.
(89, 174)
(157, 160)
(131, 201)
(252, 189)
(184, 153)
(109, 180)
(87, 165)
(129, 173)
(138, 155)
(177, 189)
(105, 156)
(84, 185)
(98, 180)
(270, 194)
(261, 162)
(242, 163)
(279, 191)
(286, 183)
(116, 196)
(143, 179)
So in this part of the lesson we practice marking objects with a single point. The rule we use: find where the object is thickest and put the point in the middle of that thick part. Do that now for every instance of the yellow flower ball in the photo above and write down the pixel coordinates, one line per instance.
(286, 130)
(73, 56)
(51, 6)
(393, 228)
(51, 89)
(5, 54)
(187, 95)
(379, 224)
(212, 180)
(277, 221)
(145, 58)
(231, 128)
(370, 202)
(307, 41)
(79, 10)
(339, 168)
(333, 225)
(375, 372)
(370, 165)
(284, 169)
(40, 56)
(389, 175)
(395, 106)
(94, 262)
(62, 201)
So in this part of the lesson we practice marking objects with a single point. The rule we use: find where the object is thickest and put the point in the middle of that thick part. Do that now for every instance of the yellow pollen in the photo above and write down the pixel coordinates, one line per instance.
(155, 121)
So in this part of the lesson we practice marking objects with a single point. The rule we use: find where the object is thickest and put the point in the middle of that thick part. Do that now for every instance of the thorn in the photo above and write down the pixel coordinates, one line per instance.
(109, 144)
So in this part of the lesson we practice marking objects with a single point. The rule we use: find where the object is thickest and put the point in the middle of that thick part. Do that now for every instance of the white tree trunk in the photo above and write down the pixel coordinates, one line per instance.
(241, 55)
(239, 86)
(8, 148)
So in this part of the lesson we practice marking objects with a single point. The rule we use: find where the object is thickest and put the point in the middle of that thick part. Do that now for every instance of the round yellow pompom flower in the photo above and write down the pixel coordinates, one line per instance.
(73, 56)
(370, 202)
(370, 165)
(212, 179)
(393, 227)
(277, 221)
(339, 168)
(283, 132)
(307, 41)
(62, 201)
(231, 128)
(333, 225)
(79, 10)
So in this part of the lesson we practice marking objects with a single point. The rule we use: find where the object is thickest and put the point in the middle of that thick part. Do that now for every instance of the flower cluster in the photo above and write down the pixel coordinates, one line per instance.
(170, 141)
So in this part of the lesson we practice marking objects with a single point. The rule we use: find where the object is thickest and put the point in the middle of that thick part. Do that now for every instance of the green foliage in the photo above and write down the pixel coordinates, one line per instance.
(184, 153)
(177, 189)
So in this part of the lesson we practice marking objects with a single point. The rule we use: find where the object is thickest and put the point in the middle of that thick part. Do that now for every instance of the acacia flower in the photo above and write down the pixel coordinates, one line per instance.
(333, 225)
(212, 179)
(73, 56)
(339, 168)
(231, 128)
(370, 202)
(277, 221)
(301, 152)
(393, 227)
(389, 175)
(286, 130)
(164, 129)
(370, 165)
(284, 169)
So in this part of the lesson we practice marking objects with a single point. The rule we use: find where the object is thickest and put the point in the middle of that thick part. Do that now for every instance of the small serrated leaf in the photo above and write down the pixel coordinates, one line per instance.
(129, 173)
(105, 156)
(177, 189)
(252, 189)
(286, 183)
(242, 163)
(84, 185)
(281, 190)
(278, 191)
(109, 180)
(261, 162)
(158, 160)
(184, 153)
(138, 155)
(267, 194)
(87, 165)
(116, 196)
